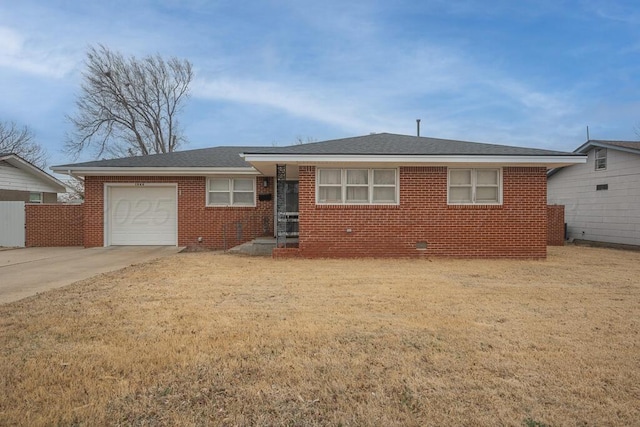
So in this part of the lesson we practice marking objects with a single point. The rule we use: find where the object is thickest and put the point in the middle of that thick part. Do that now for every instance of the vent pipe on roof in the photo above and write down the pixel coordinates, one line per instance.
(418, 126)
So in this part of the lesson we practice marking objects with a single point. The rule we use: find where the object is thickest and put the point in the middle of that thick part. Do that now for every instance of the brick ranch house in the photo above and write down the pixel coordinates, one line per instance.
(379, 195)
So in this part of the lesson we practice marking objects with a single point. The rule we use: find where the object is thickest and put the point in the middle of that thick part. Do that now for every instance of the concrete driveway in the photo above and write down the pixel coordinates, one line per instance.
(27, 271)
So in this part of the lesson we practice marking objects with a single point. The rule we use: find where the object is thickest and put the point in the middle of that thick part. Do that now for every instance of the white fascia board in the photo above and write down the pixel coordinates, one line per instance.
(432, 159)
(155, 171)
(586, 147)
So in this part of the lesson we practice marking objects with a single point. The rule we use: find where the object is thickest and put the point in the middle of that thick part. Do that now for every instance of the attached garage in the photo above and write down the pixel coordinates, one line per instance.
(141, 214)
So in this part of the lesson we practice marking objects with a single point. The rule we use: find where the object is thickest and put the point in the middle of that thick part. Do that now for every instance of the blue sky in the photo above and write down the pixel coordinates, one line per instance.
(529, 73)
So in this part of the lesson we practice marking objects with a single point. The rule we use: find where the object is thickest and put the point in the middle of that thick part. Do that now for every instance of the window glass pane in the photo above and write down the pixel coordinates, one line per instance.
(218, 198)
(460, 194)
(357, 194)
(329, 176)
(243, 184)
(460, 177)
(384, 176)
(219, 185)
(601, 158)
(487, 194)
(330, 194)
(243, 198)
(487, 177)
(357, 176)
(35, 197)
(384, 194)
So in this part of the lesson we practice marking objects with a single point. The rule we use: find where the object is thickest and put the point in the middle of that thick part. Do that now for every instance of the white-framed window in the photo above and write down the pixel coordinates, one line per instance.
(231, 192)
(475, 187)
(35, 197)
(601, 159)
(357, 186)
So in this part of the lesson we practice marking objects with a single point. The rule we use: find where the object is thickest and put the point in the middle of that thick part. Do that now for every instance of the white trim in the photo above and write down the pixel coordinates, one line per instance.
(402, 160)
(405, 158)
(155, 171)
(231, 204)
(596, 158)
(106, 201)
(343, 187)
(473, 188)
(584, 148)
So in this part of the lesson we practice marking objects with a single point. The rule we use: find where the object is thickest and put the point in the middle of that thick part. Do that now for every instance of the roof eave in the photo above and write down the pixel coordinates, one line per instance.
(20, 163)
(584, 148)
(153, 171)
(547, 160)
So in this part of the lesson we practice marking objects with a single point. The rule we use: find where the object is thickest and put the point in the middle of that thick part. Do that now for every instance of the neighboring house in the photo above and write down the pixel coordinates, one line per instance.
(601, 197)
(22, 181)
(375, 195)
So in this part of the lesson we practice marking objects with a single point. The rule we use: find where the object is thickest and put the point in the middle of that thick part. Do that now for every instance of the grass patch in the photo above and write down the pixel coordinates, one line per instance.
(214, 339)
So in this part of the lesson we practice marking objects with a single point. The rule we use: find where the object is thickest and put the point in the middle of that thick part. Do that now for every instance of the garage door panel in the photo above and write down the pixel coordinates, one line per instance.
(144, 239)
(143, 215)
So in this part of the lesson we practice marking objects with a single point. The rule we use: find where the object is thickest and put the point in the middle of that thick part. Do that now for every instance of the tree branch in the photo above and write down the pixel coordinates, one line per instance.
(129, 105)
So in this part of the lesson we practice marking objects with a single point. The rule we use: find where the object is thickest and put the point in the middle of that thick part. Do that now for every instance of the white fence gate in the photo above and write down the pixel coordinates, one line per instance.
(12, 224)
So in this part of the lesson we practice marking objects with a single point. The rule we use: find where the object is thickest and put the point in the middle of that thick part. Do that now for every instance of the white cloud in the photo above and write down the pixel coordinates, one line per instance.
(455, 96)
(616, 11)
(297, 102)
(339, 67)
(10, 41)
(19, 53)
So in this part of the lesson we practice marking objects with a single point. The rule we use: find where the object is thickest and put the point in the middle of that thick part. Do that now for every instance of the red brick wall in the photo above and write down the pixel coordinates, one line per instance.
(555, 225)
(515, 229)
(53, 225)
(218, 226)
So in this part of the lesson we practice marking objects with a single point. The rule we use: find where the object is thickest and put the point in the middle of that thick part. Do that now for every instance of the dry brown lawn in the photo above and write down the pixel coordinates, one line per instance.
(215, 339)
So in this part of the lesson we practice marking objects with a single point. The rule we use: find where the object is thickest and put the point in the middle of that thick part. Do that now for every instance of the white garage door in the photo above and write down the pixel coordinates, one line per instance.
(142, 215)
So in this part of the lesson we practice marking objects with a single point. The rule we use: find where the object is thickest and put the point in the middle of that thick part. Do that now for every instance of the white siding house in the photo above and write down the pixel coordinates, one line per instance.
(22, 181)
(601, 197)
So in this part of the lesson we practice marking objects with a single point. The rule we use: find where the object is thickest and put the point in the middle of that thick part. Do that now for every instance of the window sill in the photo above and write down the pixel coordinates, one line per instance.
(231, 206)
(476, 206)
(357, 206)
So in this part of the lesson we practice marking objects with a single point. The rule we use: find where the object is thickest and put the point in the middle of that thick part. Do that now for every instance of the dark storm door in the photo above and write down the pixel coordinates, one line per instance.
(291, 208)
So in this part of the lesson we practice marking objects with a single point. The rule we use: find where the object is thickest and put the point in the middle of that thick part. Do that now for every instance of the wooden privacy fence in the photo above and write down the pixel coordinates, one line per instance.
(12, 222)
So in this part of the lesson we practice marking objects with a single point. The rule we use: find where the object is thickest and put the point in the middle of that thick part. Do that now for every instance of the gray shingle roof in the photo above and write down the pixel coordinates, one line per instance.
(200, 158)
(393, 144)
(628, 146)
(633, 145)
(4, 154)
(374, 144)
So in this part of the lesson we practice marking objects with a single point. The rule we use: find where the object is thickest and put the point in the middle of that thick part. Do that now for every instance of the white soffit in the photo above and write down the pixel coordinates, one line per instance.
(156, 171)
(413, 159)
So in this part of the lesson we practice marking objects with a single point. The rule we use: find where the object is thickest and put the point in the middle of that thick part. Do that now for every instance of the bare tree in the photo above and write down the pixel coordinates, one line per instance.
(75, 191)
(20, 140)
(300, 140)
(129, 106)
